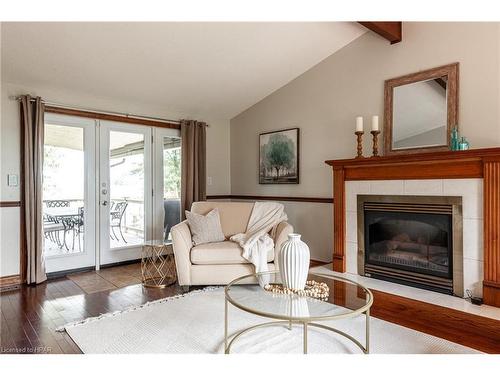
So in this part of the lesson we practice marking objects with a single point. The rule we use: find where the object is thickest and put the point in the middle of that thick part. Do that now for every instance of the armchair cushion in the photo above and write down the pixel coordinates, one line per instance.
(226, 252)
(205, 228)
(234, 216)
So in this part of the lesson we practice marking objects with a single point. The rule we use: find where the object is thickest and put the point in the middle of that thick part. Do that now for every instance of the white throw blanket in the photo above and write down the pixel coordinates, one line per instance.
(256, 242)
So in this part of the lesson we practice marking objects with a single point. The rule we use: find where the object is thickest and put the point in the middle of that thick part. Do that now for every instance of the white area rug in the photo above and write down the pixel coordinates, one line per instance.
(194, 323)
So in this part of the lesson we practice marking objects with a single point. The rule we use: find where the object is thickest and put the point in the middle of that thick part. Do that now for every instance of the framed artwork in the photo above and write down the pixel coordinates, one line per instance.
(279, 157)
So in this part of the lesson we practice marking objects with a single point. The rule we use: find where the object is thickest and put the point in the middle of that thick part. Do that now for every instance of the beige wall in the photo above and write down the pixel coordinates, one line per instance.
(324, 101)
(217, 153)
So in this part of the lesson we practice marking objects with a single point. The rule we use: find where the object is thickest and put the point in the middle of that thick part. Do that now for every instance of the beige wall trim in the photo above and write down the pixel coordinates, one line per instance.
(272, 198)
(10, 203)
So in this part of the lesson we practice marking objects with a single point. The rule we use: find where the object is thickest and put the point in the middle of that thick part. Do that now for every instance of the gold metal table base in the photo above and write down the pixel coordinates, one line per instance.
(157, 265)
(365, 349)
(288, 323)
(289, 320)
(158, 282)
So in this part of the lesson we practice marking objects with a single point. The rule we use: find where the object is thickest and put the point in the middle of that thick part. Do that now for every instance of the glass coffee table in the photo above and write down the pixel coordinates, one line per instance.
(346, 299)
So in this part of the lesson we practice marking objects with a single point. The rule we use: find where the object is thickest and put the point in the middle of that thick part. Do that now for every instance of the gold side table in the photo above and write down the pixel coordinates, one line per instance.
(157, 264)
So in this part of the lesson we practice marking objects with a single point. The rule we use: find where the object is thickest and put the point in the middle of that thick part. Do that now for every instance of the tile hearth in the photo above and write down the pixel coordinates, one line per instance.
(435, 298)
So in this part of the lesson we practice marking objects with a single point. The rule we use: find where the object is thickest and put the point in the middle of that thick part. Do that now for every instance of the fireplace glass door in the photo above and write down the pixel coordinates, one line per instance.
(410, 241)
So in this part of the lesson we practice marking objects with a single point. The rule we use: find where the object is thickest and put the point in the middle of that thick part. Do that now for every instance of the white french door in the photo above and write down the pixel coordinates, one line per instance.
(69, 185)
(125, 190)
(108, 188)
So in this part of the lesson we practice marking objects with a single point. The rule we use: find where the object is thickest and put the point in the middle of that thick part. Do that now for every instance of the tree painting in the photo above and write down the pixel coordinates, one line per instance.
(279, 157)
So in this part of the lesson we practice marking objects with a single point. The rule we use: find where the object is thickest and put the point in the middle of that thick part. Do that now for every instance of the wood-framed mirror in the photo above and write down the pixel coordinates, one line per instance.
(420, 109)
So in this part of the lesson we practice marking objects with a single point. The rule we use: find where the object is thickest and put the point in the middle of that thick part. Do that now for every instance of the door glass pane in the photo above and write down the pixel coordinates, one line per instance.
(171, 184)
(126, 189)
(63, 190)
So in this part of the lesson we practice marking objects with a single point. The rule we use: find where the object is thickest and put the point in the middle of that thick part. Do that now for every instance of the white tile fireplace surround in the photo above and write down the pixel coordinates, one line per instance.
(471, 191)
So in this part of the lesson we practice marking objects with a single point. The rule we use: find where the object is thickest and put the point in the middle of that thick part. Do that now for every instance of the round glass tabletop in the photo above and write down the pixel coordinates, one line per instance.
(346, 298)
(165, 247)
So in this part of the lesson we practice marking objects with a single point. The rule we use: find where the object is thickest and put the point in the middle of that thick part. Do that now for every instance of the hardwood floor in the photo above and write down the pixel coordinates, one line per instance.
(30, 315)
(108, 278)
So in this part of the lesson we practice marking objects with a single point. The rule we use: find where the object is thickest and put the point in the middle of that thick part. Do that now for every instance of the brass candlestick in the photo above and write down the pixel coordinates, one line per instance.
(375, 134)
(359, 136)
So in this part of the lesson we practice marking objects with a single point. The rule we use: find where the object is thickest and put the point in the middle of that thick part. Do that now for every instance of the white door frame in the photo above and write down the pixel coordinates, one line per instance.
(96, 250)
(127, 252)
(87, 257)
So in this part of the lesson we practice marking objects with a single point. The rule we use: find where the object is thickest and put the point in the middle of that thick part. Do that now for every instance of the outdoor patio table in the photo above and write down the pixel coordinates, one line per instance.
(58, 214)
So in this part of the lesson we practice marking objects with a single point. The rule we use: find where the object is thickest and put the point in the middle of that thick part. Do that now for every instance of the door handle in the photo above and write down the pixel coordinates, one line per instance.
(104, 203)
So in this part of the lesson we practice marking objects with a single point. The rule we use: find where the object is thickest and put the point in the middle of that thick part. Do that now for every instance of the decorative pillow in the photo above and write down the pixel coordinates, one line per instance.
(205, 228)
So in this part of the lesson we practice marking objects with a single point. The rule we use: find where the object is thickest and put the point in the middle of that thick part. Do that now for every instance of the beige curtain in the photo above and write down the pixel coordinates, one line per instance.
(32, 129)
(194, 163)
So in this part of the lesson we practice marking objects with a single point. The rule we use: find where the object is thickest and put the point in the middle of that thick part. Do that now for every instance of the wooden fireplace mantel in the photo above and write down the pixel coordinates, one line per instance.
(479, 163)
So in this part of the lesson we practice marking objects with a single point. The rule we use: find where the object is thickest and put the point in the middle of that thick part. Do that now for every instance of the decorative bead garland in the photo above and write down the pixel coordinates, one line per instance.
(313, 289)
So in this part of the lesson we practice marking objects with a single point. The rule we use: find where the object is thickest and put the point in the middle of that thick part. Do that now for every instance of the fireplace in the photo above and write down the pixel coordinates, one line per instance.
(412, 240)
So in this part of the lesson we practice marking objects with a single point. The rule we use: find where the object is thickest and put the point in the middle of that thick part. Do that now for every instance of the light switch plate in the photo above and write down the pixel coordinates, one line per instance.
(12, 180)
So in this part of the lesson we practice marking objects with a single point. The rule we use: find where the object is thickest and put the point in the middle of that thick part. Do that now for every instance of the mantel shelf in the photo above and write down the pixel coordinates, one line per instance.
(419, 157)
(431, 165)
(478, 163)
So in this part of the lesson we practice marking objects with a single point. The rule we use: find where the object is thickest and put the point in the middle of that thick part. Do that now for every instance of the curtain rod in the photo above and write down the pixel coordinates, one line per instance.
(128, 115)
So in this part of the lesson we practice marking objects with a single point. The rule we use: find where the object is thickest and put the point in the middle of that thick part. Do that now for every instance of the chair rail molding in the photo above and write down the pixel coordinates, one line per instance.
(272, 198)
(479, 163)
(10, 203)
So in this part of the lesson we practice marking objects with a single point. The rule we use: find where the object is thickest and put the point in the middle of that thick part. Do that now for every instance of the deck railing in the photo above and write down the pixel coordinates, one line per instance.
(133, 219)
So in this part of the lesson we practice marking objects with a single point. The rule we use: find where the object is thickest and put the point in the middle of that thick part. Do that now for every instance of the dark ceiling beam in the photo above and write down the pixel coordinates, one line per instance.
(392, 31)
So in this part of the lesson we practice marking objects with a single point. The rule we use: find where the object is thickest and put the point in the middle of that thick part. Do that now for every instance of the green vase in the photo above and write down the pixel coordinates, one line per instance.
(454, 142)
(463, 144)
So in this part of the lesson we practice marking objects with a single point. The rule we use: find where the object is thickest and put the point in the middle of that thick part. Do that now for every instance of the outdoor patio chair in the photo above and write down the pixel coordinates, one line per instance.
(78, 228)
(116, 220)
(50, 204)
(51, 232)
(68, 224)
(172, 208)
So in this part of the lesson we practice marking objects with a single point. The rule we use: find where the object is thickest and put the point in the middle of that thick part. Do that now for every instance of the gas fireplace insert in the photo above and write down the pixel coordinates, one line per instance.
(412, 240)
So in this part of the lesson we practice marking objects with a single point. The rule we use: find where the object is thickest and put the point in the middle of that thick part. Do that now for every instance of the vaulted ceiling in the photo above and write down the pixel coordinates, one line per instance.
(216, 69)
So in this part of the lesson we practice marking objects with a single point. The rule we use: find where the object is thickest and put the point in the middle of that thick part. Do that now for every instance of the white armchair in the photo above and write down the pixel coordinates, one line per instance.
(220, 262)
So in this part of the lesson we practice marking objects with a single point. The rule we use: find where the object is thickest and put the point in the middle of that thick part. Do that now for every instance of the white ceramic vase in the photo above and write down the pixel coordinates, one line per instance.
(293, 262)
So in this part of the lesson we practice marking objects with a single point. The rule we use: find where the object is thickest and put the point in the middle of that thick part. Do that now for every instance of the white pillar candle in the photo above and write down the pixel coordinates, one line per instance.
(375, 123)
(359, 124)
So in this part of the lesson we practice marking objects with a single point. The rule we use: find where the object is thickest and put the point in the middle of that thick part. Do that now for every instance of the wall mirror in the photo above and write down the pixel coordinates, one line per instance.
(420, 110)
